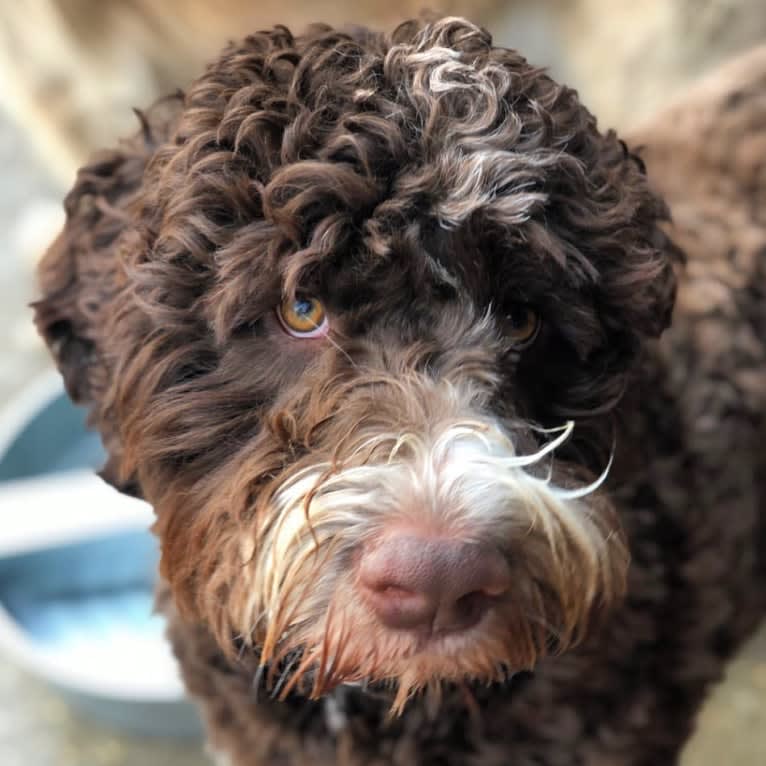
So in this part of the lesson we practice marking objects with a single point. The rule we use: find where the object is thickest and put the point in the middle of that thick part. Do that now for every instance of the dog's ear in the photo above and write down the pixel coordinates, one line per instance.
(649, 283)
(637, 260)
(658, 295)
(78, 279)
(81, 274)
(76, 276)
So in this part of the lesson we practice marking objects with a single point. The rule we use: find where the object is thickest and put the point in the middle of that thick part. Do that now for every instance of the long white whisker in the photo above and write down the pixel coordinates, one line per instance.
(345, 353)
(553, 430)
(522, 460)
(576, 494)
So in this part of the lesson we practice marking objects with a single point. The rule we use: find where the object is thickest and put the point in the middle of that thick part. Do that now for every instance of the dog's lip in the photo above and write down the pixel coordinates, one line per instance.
(440, 642)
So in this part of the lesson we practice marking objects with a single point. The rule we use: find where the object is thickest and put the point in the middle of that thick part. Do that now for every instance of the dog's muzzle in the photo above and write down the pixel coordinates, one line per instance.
(432, 553)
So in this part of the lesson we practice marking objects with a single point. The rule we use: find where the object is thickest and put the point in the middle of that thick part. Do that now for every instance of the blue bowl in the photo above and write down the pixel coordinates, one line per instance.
(78, 612)
(47, 435)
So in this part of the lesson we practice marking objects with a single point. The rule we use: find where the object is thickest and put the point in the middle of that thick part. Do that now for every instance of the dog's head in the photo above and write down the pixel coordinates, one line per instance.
(375, 300)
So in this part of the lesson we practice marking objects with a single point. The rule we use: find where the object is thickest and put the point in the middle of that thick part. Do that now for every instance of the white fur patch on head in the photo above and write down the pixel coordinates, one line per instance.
(464, 98)
(475, 180)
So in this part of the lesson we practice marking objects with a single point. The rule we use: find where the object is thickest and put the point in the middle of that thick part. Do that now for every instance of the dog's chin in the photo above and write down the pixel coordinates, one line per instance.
(434, 665)
(401, 664)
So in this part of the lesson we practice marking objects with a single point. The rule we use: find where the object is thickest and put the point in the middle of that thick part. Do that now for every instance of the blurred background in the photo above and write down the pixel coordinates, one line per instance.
(70, 72)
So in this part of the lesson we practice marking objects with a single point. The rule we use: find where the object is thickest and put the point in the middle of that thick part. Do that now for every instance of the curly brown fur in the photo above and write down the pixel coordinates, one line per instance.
(426, 186)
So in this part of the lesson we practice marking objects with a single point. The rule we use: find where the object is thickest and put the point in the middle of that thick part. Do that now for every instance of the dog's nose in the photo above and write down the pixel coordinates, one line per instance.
(439, 585)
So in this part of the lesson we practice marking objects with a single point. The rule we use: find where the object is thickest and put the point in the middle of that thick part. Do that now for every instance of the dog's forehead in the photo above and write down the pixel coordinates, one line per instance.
(435, 159)
(424, 263)
(390, 167)
(474, 264)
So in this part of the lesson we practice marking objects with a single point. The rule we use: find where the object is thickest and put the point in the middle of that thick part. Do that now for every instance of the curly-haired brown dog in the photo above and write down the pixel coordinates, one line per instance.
(370, 322)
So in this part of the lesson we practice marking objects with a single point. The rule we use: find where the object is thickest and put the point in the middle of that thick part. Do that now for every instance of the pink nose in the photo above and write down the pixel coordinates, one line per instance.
(432, 584)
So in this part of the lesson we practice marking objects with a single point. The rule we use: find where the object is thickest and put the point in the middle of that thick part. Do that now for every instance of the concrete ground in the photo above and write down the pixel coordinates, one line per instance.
(38, 729)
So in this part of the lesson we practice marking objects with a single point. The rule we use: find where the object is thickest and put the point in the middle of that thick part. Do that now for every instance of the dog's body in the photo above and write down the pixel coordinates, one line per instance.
(287, 477)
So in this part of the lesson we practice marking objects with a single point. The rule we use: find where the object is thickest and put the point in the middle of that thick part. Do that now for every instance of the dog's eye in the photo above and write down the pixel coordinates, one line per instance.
(522, 325)
(303, 317)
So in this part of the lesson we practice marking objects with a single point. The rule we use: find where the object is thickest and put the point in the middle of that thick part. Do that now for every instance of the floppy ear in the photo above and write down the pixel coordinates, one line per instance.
(656, 298)
(77, 277)
(653, 281)
(80, 274)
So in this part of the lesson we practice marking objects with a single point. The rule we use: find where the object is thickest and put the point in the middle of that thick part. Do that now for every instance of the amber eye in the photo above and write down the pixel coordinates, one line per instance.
(522, 325)
(303, 317)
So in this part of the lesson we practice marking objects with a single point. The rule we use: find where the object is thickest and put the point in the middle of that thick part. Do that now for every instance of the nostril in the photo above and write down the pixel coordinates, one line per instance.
(395, 593)
(470, 603)
(463, 613)
(402, 609)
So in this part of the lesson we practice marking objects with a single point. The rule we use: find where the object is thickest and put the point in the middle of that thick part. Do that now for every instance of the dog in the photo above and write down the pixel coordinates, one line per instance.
(379, 326)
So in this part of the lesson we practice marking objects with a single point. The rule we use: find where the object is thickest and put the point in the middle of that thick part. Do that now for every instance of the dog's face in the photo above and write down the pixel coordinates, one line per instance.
(380, 301)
